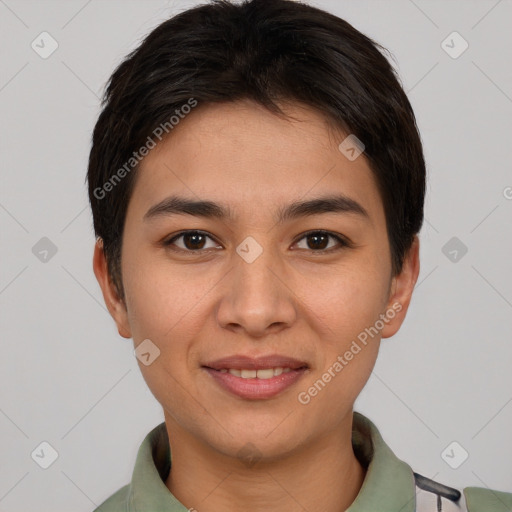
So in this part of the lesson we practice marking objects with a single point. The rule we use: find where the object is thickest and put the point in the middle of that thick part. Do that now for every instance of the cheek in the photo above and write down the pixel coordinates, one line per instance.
(161, 299)
(163, 310)
(345, 300)
(347, 303)
(348, 345)
(165, 306)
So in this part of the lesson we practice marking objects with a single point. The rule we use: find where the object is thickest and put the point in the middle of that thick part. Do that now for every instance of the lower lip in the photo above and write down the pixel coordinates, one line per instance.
(256, 389)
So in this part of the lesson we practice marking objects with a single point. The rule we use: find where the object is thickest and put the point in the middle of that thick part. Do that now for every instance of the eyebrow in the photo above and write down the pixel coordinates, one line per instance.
(175, 205)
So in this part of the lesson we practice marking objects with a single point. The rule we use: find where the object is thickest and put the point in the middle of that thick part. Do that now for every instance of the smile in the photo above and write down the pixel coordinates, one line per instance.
(259, 383)
(266, 373)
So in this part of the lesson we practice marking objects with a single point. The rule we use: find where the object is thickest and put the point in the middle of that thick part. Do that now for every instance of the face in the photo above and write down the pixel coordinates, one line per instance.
(250, 283)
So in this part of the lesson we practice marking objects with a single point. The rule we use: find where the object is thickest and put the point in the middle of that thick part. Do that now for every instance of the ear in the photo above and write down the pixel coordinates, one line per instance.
(401, 290)
(115, 305)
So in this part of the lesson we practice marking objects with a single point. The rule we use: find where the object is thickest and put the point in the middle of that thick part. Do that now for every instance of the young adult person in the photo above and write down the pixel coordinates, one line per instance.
(257, 183)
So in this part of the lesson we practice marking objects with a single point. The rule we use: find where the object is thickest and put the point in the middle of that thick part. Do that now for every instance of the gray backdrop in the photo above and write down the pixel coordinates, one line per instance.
(68, 379)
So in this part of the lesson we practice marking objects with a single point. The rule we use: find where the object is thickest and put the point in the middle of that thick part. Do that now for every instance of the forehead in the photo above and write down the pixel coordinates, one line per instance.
(243, 155)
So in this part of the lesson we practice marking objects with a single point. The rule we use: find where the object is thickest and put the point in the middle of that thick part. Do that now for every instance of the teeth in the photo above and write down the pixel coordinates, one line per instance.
(266, 373)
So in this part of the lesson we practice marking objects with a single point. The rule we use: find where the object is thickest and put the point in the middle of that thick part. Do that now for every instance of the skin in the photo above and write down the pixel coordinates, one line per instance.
(293, 300)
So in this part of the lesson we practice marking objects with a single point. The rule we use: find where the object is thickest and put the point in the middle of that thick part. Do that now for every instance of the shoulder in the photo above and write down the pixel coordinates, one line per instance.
(480, 499)
(117, 502)
(432, 495)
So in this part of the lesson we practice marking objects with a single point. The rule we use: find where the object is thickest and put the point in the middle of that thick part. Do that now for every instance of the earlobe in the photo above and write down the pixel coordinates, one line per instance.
(402, 288)
(114, 303)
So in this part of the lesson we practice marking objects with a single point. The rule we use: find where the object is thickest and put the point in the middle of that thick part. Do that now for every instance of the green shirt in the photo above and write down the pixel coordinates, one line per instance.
(389, 484)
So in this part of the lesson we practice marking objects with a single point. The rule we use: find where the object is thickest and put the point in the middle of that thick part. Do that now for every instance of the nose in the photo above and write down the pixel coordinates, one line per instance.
(257, 298)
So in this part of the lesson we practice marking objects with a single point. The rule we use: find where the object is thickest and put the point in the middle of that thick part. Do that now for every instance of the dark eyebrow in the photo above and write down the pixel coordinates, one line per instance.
(175, 205)
(328, 204)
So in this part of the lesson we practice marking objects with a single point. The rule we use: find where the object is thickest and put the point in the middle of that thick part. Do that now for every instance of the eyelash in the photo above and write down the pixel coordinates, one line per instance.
(342, 241)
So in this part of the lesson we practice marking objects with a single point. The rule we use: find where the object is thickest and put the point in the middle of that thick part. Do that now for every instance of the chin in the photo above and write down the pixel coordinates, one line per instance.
(258, 445)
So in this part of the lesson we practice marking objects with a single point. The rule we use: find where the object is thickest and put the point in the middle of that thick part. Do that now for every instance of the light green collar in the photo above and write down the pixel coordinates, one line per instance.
(388, 485)
(389, 482)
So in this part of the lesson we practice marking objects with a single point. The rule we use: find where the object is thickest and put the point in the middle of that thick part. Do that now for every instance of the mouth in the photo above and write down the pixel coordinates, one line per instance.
(256, 378)
(269, 362)
(265, 373)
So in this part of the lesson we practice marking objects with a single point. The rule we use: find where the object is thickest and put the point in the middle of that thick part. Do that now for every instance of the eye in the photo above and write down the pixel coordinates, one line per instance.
(318, 241)
(192, 241)
(315, 241)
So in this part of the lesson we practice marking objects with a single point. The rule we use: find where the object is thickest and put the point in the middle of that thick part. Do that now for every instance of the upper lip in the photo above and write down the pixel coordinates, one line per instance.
(256, 363)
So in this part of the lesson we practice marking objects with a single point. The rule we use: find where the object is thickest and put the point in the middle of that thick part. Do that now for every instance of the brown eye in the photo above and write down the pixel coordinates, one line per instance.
(318, 241)
(192, 241)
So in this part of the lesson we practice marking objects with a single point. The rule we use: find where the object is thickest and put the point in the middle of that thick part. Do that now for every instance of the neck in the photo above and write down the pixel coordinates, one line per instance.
(324, 476)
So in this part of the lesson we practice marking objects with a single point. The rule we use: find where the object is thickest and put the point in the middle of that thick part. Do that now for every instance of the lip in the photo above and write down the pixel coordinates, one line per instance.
(256, 363)
(255, 389)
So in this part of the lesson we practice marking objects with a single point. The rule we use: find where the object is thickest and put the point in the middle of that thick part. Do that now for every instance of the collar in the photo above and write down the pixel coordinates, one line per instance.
(389, 482)
(388, 485)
